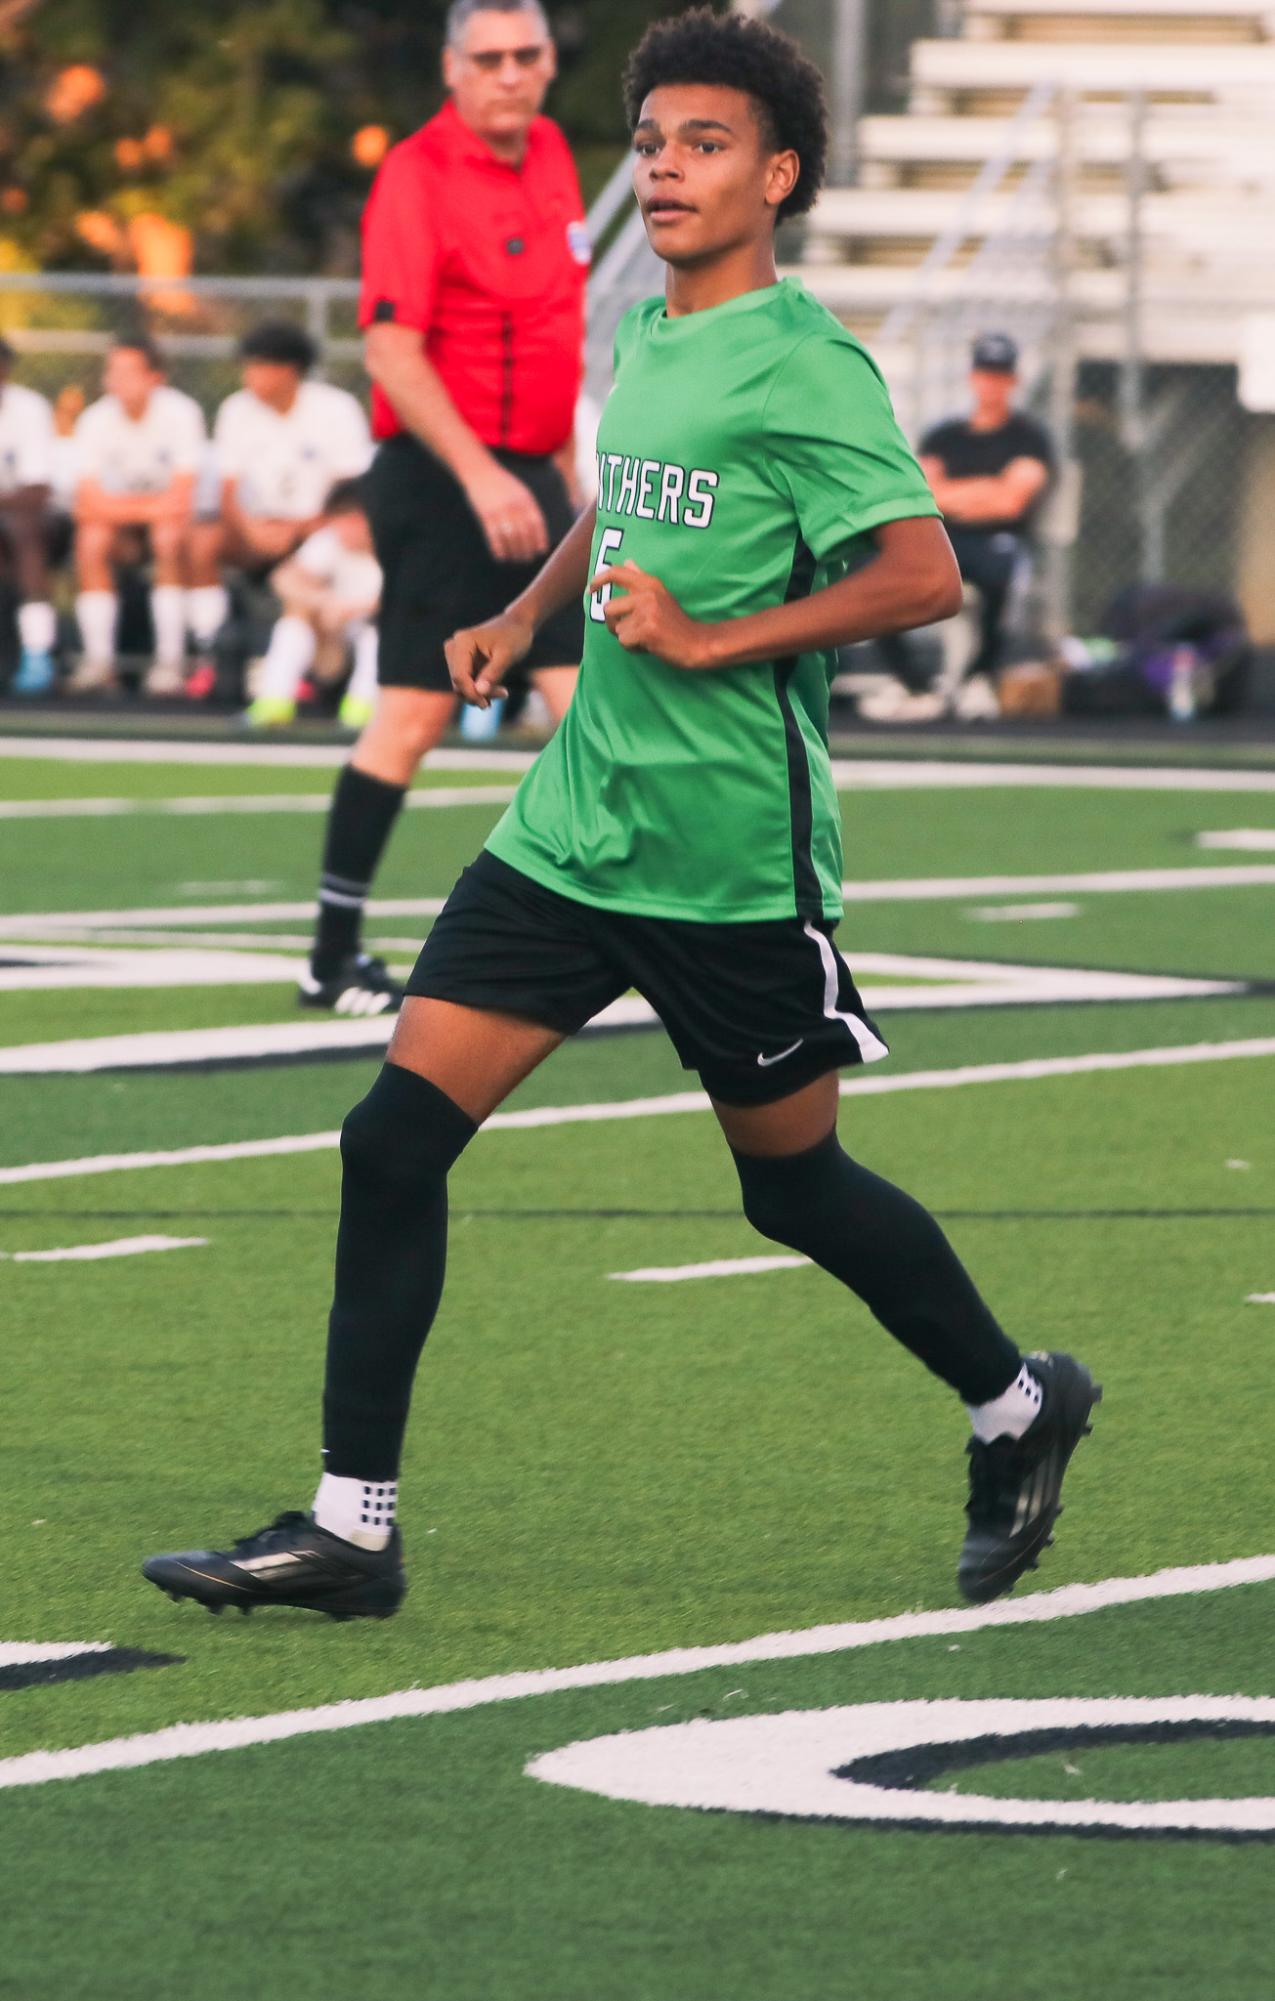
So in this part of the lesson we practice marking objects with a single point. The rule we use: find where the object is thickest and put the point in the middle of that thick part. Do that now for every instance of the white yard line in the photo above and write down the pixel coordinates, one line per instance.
(50, 924)
(119, 1247)
(193, 1740)
(237, 802)
(680, 1101)
(1100, 882)
(165, 1049)
(717, 1268)
(1249, 840)
(1023, 913)
(319, 756)
(1260, 1299)
(63, 968)
(29, 1653)
(891, 775)
(937, 889)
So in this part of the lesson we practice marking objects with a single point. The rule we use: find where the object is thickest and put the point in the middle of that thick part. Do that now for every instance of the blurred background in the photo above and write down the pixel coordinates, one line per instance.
(1095, 178)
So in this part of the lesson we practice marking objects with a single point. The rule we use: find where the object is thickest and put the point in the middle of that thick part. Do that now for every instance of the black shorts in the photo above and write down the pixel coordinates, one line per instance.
(439, 572)
(758, 1009)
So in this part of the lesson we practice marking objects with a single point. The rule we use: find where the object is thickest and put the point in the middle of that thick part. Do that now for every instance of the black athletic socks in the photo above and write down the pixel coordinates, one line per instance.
(888, 1250)
(360, 821)
(396, 1149)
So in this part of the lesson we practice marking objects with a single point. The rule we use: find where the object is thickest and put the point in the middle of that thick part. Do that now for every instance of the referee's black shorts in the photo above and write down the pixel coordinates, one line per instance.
(439, 573)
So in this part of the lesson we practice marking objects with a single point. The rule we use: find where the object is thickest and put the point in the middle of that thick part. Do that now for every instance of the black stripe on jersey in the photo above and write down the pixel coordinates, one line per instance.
(809, 897)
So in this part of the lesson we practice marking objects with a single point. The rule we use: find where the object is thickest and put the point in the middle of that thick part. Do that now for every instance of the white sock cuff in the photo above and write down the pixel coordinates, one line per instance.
(360, 1511)
(37, 626)
(168, 615)
(206, 608)
(95, 614)
(1011, 1412)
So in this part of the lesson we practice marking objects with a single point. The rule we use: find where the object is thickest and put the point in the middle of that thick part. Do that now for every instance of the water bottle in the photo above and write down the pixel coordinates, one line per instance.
(481, 725)
(1182, 685)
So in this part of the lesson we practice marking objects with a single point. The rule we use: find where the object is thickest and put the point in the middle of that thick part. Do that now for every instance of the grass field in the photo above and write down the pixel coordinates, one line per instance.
(601, 1471)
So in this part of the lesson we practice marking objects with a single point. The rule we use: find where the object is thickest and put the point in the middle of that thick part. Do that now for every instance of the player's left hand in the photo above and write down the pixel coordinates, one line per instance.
(647, 618)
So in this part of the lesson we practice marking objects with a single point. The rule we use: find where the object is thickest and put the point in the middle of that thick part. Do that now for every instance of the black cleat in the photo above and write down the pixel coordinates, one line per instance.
(1015, 1482)
(360, 986)
(293, 1562)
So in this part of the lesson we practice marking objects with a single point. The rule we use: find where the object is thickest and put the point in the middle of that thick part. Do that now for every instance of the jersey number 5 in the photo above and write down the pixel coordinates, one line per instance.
(608, 548)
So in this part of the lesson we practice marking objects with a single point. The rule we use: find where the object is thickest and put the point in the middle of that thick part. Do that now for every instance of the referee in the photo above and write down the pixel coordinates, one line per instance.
(475, 262)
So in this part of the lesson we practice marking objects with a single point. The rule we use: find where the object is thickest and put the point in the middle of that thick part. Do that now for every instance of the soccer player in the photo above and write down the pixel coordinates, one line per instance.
(475, 261)
(26, 478)
(330, 591)
(282, 441)
(757, 506)
(138, 451)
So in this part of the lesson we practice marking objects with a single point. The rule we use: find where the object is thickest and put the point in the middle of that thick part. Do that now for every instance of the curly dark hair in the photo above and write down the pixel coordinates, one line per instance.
(703, 47)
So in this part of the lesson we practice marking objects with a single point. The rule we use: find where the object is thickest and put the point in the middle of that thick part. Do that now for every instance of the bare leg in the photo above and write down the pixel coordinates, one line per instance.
(476, 1057)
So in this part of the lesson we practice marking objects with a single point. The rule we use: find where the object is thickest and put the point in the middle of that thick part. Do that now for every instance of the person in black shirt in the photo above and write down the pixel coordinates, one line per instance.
(989, 473)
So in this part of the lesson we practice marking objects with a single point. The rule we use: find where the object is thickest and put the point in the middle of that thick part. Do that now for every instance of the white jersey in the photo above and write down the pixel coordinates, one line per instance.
(285, 462)
(145, 455)
(351, 575)
(26, 438)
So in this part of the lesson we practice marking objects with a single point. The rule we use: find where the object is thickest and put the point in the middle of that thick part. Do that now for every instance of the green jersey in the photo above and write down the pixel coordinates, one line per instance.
(745, 454)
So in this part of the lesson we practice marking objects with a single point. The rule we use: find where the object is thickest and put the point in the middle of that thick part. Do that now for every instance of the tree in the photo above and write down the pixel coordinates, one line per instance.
(124, 123)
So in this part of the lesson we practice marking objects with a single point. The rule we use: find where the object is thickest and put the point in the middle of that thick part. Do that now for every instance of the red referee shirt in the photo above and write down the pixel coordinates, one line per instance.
(490, 263)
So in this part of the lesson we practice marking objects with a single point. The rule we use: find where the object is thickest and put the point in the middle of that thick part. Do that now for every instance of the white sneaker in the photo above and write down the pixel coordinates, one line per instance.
(164, 677)
(896, 705)
(89, 677)
(975, 701)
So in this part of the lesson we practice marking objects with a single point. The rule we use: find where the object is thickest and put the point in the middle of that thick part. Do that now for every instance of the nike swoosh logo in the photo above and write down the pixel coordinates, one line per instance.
(764, 1062)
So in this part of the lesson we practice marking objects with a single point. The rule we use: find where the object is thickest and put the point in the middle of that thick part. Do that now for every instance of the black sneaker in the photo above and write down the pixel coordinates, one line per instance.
(293, 1562)
(360, 986)
(1015, 1482)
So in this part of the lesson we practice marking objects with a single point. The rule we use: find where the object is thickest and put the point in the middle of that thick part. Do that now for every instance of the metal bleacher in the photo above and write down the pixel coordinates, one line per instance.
(962, 195)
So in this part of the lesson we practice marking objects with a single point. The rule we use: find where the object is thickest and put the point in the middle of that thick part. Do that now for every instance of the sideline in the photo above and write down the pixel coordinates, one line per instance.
(870, 1086)
(194, 1740)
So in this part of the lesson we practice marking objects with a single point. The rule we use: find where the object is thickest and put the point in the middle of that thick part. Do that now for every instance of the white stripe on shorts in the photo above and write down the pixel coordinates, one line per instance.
(871, 1047)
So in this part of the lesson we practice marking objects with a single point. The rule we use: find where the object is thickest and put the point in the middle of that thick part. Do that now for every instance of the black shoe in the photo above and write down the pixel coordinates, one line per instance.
(360, 986)
(293, 1562)
(1015, 1482)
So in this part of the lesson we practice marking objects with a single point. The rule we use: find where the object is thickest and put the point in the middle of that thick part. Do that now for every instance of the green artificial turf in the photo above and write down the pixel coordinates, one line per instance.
(598, 1469)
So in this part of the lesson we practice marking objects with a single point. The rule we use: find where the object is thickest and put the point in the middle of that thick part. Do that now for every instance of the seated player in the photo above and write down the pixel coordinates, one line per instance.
(989, 473)
(281, 443)
(138, 451)
(757, 507)
(26, 523)
(330, 591)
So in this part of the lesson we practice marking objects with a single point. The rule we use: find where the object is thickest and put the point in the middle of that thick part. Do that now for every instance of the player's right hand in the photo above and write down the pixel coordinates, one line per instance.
(480, 656)
(510, 515)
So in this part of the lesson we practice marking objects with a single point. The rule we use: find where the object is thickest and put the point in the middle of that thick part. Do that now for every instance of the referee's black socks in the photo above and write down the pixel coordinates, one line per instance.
(397, 1146)
(888, 1250)
(360, 821)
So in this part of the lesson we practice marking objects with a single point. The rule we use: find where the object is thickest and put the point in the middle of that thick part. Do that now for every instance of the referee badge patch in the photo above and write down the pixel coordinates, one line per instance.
(578, 242)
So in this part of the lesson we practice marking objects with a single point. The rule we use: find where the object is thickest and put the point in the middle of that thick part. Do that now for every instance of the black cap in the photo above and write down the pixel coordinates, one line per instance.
(997, 353)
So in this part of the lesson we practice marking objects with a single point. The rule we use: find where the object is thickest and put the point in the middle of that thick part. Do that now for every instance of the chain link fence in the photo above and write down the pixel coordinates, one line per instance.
(62, 324)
